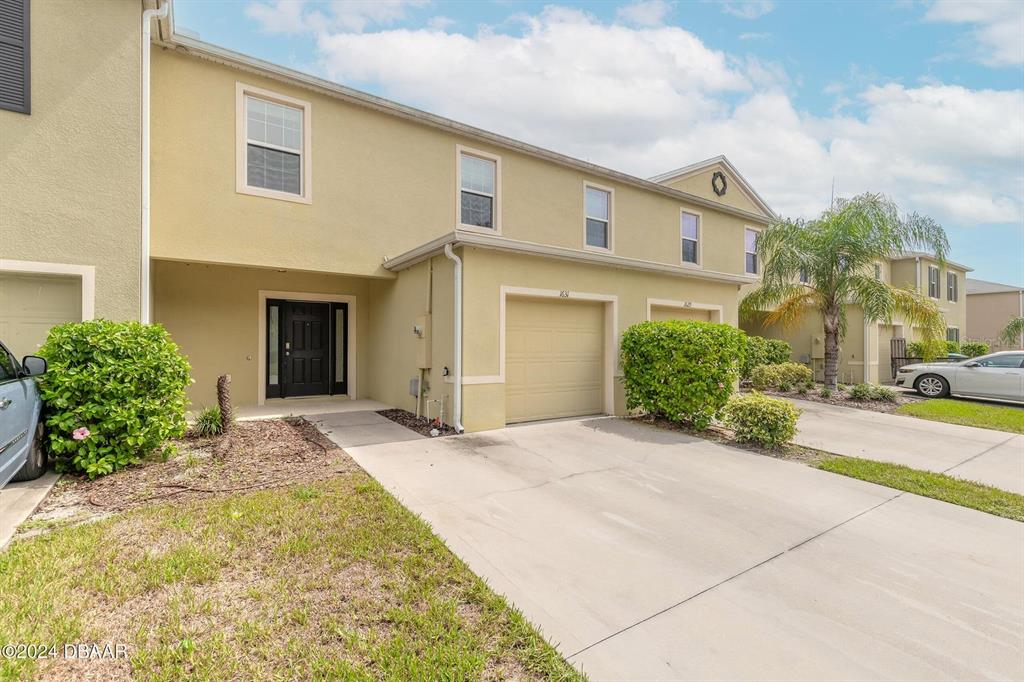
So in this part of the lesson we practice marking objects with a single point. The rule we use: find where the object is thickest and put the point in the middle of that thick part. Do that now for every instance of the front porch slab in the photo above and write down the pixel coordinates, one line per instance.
(298, 407)
(349, 429)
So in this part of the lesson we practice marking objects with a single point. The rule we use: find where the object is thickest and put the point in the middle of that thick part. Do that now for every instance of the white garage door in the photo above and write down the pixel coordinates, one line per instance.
(31, 304)
(554, 359)
(660, 312)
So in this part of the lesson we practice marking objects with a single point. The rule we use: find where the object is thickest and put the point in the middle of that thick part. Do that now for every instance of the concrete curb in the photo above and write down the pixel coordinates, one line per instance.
(18, 501)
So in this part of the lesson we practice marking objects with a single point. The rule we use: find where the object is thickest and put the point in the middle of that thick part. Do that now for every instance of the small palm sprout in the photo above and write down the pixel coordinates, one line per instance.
(834, 258)
(1013, 334)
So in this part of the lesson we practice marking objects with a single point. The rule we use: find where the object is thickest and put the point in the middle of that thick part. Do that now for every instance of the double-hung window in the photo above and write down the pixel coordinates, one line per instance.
(953, 334)
(951, 287)
(598, 217)
(804, 279)
(750, 250)
(878, 271)
(478, 191)
(933, 281)
(690, 234)
(273, 145)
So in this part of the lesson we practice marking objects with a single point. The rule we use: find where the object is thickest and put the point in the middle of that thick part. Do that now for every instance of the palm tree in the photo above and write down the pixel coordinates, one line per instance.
(827, 263)
(1012, 332)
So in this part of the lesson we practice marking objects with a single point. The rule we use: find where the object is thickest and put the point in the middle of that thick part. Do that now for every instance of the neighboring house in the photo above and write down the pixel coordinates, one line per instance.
(990, 307)
(872, 340)
(310, 239)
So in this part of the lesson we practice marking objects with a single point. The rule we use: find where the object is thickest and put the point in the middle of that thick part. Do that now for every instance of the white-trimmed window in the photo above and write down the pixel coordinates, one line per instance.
(953, 334)
(804, 278)
(478, 190)
(597, 205)
(952, 287)
(689, 232)
(273, 145)
(750, 236)
(933, 281)
(878, 271)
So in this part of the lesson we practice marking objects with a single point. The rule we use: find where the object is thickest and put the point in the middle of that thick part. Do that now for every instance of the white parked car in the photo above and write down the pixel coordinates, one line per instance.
(999, 376)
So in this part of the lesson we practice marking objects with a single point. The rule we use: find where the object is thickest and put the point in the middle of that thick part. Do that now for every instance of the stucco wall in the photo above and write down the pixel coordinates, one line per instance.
(487, 271)
(988, 314)
(70, 171)
(212, 312)
(380, 186)
(700, 184)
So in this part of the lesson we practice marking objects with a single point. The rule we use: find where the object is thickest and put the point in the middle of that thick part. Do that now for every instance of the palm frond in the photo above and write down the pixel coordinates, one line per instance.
(1012, 332)
(791, 310)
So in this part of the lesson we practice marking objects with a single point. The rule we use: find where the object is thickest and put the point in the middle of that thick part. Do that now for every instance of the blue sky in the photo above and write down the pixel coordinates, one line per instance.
(923, 101)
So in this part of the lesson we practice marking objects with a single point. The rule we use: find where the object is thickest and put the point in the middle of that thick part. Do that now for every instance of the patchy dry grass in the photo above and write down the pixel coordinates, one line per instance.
(330, 579)
(929, 484)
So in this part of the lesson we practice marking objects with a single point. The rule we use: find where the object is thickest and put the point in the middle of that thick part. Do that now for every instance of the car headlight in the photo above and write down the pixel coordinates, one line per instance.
(904, 370)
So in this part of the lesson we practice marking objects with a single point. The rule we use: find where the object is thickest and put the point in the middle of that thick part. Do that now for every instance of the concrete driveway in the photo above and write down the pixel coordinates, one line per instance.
(647, 554)
(992, 457)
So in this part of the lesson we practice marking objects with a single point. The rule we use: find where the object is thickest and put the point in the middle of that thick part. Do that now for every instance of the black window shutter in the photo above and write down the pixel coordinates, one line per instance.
(14, 56)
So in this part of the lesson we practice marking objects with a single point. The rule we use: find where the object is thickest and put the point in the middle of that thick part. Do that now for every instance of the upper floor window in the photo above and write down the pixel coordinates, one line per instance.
(804, 279)
(878, 271)
(951, 286)
(14, 56)
(750, 250)
(478, 190)
(273, 145)
(690, 233)
(933, 281)
(597, 205)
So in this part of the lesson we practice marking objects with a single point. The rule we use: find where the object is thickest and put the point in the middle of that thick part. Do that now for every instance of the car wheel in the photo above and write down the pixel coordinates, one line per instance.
(932, 386)
(36, 464)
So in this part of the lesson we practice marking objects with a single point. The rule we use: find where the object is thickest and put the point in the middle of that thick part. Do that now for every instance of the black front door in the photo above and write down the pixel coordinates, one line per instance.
(306, 348)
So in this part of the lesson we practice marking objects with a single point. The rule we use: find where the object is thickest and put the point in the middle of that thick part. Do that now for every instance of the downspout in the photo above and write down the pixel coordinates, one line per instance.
(867, 348)
(1021, 292)
(147, 32)
(457, 392)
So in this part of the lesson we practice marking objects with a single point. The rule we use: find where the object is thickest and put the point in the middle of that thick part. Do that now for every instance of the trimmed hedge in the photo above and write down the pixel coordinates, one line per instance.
(762, 351)
(775, 376)
(114, 393)
(760, 419)
(973, 349)
(682, 370)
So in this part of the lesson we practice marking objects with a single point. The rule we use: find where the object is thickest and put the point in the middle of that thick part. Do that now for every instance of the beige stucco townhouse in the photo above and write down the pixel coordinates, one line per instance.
(313, 240)
(991, 306)
(943, 283)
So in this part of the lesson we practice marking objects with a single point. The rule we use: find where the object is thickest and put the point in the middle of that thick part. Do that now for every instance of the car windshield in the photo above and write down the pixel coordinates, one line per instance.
(1008, 360)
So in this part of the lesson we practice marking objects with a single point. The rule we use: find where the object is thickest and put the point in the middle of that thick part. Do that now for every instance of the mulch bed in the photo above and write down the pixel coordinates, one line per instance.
(843, 399)
(719, 434)
(254, 455)
(420, 425)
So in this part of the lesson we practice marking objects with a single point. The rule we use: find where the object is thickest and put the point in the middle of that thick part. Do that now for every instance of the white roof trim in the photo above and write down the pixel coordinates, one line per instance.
(911, 255)
(498, 243)
(236, 60)
(700, 166)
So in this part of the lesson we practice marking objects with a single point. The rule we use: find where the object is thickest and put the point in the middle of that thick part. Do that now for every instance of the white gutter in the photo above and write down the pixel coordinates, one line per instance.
(147, 32)
(867, 349)
(457, 390)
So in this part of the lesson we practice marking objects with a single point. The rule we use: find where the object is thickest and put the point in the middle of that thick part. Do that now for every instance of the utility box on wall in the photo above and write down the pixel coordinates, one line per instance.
(421, 328)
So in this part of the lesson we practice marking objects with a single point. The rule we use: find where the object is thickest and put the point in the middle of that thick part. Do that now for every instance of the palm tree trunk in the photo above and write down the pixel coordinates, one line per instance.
(831, 320)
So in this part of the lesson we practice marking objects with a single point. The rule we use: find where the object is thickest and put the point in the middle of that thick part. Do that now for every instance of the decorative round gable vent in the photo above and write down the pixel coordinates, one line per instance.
(719, 184)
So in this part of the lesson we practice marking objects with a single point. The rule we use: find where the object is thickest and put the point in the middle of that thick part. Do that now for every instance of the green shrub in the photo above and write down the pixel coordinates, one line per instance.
(208, 424)
(883, 394)
(927, 351)
(774, 376)
(760, 419)
(952, 347)
(115, 393)
(785, 387)
(973, 349)
(825, 392)
(802, 390)
(762, 351)
(861, 392)
(680, 369)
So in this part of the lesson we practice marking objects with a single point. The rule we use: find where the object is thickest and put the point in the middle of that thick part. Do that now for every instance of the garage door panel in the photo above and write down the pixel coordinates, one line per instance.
(554, 362)
(660, 313)
(31, 304)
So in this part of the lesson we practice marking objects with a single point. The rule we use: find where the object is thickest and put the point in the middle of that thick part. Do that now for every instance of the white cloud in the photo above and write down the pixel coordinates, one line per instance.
(292, 16)
(998, 36)
(755, 36)
(440, 23)
(647, 99)
(644, 12)
(747, 9)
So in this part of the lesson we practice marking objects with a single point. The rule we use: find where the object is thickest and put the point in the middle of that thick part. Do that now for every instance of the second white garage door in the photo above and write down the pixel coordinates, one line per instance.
(31, 304)
(554, 359)
(660, 312)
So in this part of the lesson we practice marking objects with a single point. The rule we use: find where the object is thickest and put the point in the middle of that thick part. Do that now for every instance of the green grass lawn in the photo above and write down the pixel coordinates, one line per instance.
(928, 484)
(968, 413)
(333, 580)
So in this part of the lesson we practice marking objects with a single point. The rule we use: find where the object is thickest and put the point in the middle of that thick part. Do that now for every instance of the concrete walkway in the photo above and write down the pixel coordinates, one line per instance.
(347, 429)
(995, 458)
(19, 500)
(648, 554)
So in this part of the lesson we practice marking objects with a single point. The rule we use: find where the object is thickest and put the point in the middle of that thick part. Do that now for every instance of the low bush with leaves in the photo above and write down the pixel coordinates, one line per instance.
(775, 376)
(682, 370)
(883, 394)
(208, 423)
(762, 351)
(114, 393)
(861, 392)
(928, 350)
(973, 349)
(760, 419)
